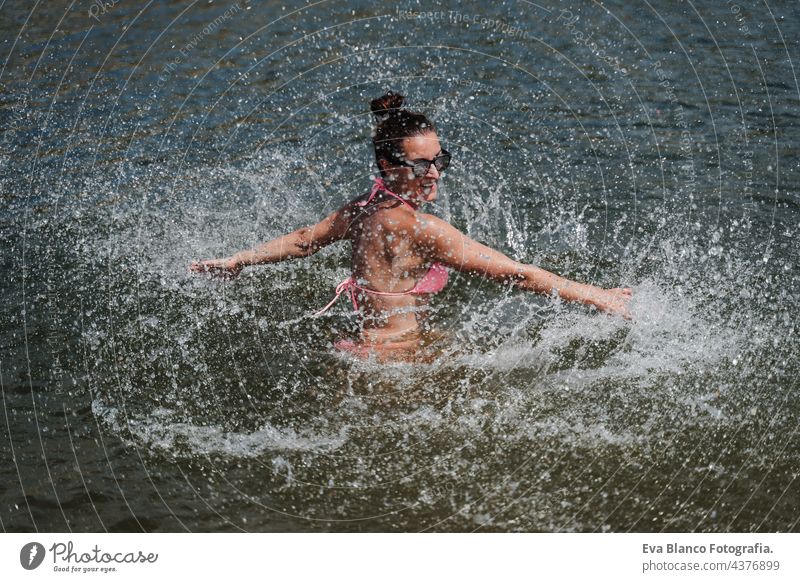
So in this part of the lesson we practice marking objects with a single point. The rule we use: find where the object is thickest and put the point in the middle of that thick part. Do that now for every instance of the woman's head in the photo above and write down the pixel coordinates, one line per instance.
(401, 138)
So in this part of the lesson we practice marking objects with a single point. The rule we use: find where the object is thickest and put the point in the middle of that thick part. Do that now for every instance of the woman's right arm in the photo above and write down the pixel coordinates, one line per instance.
(446, 244)
(303, 242)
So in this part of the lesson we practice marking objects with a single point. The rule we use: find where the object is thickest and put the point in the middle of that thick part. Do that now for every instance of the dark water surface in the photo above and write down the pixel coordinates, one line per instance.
(650, 144)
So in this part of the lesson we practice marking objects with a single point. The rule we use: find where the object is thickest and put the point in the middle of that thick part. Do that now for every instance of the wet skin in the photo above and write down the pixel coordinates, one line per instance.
(393, 247)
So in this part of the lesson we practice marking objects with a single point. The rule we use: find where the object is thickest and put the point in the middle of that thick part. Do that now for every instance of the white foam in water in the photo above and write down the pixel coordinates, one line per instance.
(666, 335)
(160, 432)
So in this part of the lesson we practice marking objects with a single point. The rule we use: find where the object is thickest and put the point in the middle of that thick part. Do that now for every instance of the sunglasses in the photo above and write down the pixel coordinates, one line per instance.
(421, 167)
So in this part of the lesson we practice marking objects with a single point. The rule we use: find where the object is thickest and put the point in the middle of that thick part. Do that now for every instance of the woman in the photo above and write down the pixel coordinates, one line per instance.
(400, 255)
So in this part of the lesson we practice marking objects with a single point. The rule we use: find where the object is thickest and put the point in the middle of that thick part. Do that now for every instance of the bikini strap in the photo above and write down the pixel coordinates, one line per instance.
(351, 286)
(377, 187)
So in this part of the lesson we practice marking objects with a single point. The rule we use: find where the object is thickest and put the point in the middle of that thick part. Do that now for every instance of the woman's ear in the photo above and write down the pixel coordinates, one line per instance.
(384, 164)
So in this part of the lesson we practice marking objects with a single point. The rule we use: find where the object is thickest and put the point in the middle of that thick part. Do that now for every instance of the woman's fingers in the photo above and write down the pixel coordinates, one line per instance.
(215, 268)
(202, 266)
(617, 300)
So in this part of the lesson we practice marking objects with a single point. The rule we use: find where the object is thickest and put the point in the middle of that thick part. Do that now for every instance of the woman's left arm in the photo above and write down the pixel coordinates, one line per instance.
(442, 242)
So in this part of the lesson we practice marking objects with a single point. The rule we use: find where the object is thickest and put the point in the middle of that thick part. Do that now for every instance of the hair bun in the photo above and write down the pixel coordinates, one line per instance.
(384, 106)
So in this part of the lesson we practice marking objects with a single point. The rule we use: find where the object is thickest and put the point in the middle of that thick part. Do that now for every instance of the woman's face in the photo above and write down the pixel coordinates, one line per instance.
(401, 179)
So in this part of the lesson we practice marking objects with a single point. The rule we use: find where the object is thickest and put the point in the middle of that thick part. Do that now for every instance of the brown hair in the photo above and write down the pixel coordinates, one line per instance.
(394, 124)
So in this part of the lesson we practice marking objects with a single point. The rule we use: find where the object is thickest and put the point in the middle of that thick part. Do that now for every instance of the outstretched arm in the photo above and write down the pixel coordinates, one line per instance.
(444, 243)
(303, 242)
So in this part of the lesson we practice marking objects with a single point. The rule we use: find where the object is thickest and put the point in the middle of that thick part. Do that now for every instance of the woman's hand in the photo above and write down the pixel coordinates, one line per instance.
(220, 268)
(615, 301)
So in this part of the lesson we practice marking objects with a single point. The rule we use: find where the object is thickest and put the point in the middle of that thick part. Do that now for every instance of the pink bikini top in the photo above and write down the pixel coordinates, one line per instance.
(434, 280)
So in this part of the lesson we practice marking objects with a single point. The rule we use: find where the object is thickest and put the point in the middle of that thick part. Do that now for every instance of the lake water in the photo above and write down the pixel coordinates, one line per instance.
(653, 145)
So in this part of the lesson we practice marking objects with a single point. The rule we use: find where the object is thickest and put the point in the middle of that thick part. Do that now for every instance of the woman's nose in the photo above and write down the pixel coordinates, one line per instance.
(432, 172)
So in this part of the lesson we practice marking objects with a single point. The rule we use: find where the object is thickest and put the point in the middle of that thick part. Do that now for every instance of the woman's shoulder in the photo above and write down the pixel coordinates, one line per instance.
(431, 221)
(387, 212)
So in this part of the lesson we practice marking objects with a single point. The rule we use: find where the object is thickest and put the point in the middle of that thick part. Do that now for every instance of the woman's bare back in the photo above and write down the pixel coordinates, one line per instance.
(386, 259)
